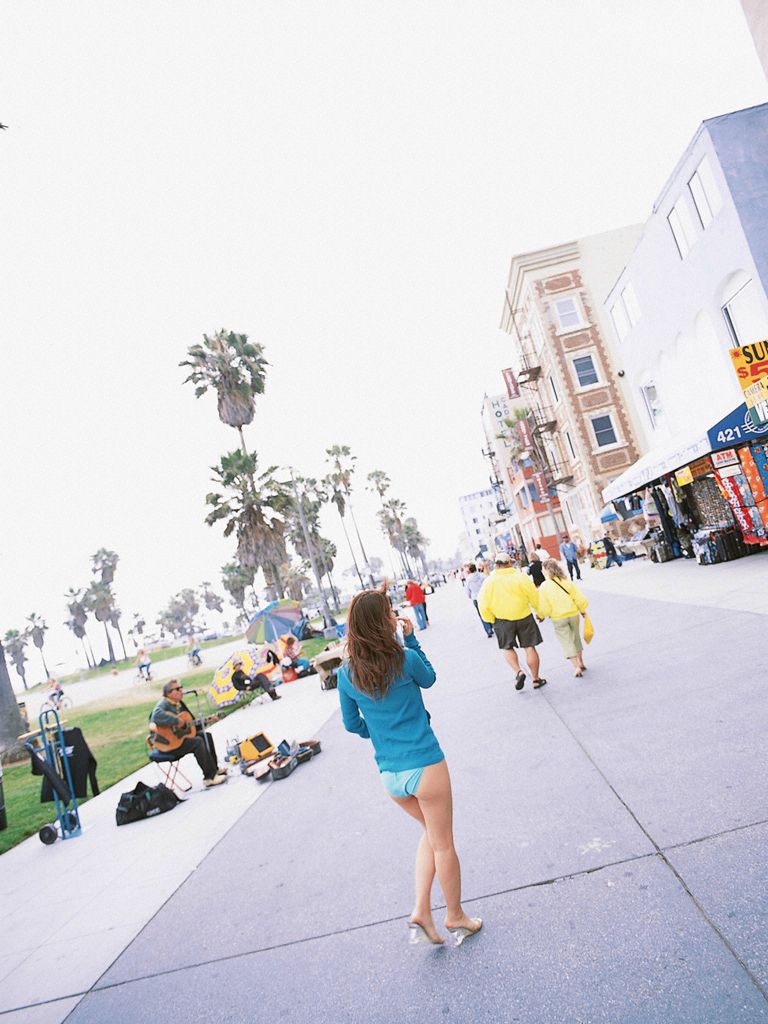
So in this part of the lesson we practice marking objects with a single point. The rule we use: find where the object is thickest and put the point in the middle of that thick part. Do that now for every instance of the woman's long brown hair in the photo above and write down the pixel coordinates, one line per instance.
(375, 656)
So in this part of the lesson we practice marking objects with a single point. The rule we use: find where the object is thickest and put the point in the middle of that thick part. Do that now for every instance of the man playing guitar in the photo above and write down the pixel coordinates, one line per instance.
(174, 722)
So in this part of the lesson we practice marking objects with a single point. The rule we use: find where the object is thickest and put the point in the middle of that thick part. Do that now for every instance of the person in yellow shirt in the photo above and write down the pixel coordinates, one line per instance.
(506, 600)
(563, 602)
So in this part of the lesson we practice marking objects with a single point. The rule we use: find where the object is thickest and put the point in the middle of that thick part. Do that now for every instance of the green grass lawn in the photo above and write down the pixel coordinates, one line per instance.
(162, 654)
(115, 729)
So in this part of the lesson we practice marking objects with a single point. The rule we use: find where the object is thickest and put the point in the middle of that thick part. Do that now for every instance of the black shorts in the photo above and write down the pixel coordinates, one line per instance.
(517, 632)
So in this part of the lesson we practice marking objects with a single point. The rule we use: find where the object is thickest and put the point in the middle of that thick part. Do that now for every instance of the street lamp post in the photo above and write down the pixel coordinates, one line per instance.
(327, 615)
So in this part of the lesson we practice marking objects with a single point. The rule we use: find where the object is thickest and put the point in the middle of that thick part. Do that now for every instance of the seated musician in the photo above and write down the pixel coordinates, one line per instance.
(292, 657)
(243, 682)
(168, 714)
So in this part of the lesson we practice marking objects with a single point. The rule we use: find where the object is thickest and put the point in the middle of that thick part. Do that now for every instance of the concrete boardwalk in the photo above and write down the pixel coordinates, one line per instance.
(613, 832)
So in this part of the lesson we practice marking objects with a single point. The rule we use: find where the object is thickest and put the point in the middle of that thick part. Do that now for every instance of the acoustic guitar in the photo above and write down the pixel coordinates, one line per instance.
(170, 737)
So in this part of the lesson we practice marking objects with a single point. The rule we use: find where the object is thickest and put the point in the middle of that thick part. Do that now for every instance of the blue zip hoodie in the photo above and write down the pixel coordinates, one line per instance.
(397, 724)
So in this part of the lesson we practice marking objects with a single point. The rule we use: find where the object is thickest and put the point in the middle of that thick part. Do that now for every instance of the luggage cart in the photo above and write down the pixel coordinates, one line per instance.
(54, 764)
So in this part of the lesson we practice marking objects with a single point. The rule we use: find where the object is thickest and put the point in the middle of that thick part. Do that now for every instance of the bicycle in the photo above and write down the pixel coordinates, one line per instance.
(141, 678)
(53, 703)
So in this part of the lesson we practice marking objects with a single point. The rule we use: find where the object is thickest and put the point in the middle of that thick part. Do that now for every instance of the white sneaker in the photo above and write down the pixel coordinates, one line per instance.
(217, 780)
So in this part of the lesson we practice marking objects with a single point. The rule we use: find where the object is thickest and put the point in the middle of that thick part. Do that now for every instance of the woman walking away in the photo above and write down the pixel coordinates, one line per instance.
(380, 692)
(563, 602)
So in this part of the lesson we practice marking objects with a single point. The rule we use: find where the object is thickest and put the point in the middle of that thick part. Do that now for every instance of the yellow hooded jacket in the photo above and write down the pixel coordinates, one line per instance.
(507, 594)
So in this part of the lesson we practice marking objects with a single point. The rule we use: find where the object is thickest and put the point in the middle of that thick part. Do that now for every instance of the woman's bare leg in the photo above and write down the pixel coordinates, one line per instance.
(576, 662)
(425, 871)
(436, 804)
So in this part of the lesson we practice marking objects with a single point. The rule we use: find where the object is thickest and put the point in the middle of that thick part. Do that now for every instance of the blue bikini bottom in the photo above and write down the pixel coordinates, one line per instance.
(402, 783)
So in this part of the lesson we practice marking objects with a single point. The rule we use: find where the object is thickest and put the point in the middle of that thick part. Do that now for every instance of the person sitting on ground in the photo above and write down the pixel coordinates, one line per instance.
(144, 662)
(536, 570)
(244, 683)
(507, 599)
(292, 657)
(563, 602)
(167, 713)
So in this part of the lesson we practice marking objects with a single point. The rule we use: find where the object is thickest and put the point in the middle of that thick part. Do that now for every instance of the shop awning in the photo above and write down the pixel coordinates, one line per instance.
(655, 463)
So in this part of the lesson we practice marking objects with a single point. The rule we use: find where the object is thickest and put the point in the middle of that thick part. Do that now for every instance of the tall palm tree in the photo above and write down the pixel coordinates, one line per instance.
(415, 542)
(100, 600)
(343, 462)
(114, 621)
(78, 612)
(391, 518)
(79, 630)
(37, 629)
(236, 369)
(15, 642)
(11, 722)
(336, 495)
(379, 483)
(250, 508)
(104, 563)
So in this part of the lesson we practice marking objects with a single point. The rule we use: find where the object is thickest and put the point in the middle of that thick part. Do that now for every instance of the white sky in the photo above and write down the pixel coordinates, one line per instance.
(345, 182)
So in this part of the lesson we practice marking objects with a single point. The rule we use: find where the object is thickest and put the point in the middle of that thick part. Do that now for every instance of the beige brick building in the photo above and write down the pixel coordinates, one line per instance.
(581, 430)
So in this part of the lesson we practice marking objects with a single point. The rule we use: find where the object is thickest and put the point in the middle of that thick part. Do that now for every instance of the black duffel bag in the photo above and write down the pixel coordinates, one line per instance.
(144, 801)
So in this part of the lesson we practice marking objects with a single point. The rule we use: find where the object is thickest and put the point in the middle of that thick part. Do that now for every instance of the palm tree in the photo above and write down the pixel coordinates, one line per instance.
(379, 482)
(78, 611)
(100, 600)
(114, 621)
(104, 563)
(415, 542)
(343, 467)
(79, 630)
(331, 482)
(250, 508)
(234, 579)
(15, 642)
(236, 369)
(11, 722)
(137, 628)
(37, 629)
(295, 579)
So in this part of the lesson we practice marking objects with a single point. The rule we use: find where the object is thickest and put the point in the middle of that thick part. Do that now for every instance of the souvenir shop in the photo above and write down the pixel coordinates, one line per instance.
(713, 509)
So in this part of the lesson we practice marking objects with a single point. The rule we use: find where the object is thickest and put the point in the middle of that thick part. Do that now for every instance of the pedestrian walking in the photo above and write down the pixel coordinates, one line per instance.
(417, 599)
(563, 602)
(569, 552)
(536, 569)
(507, 599)
(475, 581)
(380, 693)
(542, 552)
(611, 553)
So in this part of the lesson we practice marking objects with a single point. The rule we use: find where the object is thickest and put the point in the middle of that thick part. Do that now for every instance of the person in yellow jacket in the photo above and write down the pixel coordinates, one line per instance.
(506, 600)
(563, 602)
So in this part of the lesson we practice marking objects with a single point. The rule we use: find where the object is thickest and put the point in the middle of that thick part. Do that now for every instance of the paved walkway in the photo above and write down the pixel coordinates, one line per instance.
(613, 833)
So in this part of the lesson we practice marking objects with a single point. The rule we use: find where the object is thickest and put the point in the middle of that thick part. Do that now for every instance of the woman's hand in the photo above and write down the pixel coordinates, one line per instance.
(407, 625)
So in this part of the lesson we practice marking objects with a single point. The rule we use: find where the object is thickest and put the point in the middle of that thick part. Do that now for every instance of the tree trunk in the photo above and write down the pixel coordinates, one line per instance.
(87, 639)
(87, 656)
(359, 540)
(122, 642)
(45, 667)
(110, 648)
(242, 440)
(349, 545)
(11, 722)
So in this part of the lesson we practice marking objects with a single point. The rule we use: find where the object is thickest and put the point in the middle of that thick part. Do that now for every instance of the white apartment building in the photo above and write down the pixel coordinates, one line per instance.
(479, 514)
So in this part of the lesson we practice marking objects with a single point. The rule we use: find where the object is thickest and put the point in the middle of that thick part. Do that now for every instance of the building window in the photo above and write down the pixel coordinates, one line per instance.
(554, 389)
(585, 371)
(744, 315)
(533, 491)
(631, 304)
(522, 498)
(652, 403)
(620, 320)
(706, 195)
(568, 314)
(681, 224)
(605, 433)
(570, 444)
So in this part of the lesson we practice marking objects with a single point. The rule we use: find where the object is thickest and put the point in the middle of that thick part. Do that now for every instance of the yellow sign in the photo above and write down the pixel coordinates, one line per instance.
(684, 476)
(751, 365)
